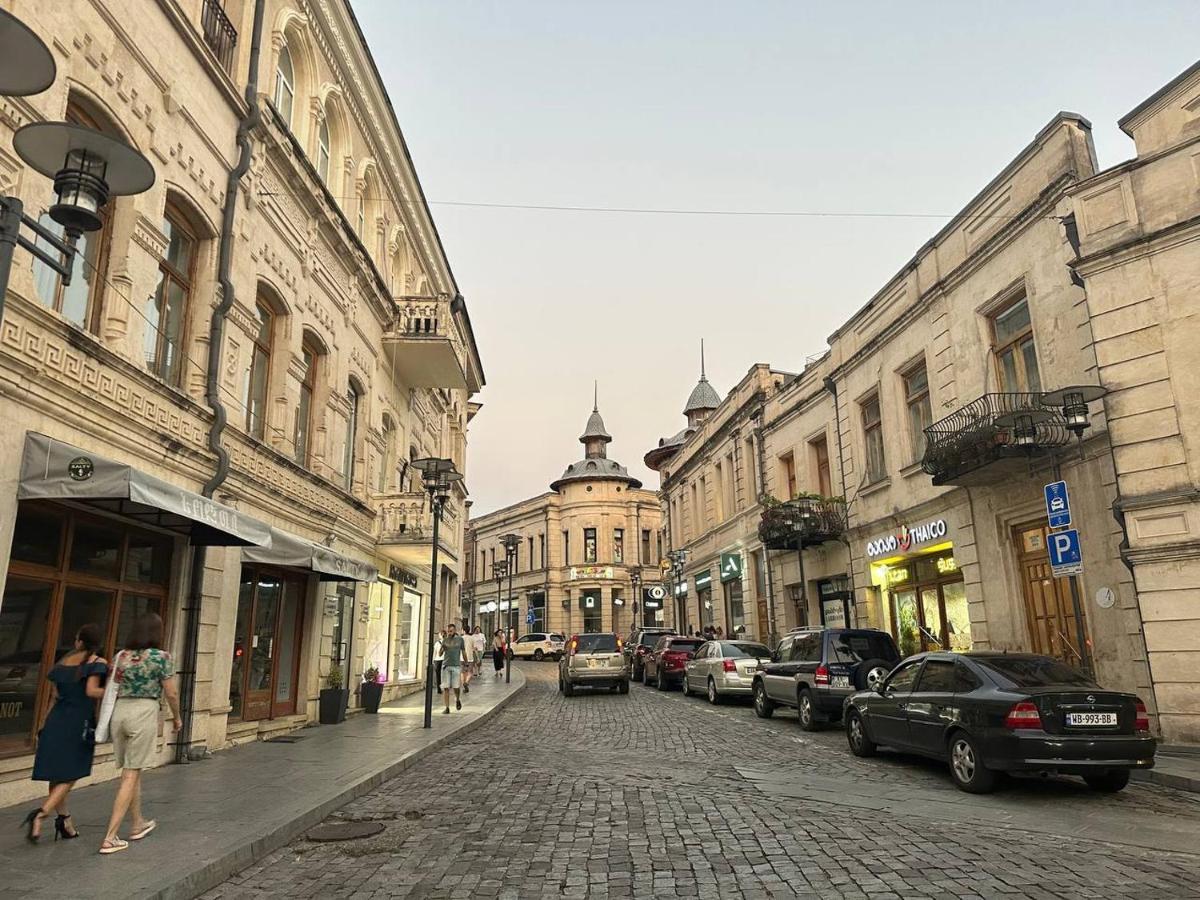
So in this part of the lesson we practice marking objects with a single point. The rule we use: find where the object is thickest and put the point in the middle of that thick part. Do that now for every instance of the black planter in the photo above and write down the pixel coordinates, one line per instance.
(372, 693)
(333, 705)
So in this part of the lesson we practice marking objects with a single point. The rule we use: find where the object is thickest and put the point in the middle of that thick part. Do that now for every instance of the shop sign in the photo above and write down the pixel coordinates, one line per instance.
(589, 601)
(406, 578)
(703, 581)
(80, 468)
(731, 567)
(578, 572)
(903, 540)
(834, 613)
(653, 596)
(947, 565)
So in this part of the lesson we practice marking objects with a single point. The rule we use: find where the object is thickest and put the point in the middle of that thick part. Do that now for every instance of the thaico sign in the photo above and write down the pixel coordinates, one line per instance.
(903, 540)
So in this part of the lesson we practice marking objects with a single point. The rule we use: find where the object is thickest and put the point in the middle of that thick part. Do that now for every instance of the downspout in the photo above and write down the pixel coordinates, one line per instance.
(761, 465)
(831, 386)
(212, 393)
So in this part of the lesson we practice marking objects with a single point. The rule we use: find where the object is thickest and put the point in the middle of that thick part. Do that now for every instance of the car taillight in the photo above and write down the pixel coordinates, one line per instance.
(729, 665)
(822, 675)
(1141, 721)
(1023, 715)
(574, 645)
(620, 645)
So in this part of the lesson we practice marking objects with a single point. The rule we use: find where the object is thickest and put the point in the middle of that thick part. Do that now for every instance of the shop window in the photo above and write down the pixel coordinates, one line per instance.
(254, 395)
(1015, 350)
(593, 616)
(787, 471)
(310, 362)
(265, 671)
(285, 85)
(618, 545)
(589, 545)
(872, 424)
(920, 410)
(167, 309)
(735, 609)
(378, 632)
(646, 558)
(37, 536)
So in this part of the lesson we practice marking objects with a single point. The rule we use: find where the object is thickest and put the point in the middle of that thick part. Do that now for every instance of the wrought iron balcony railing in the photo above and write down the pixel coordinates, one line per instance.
(803, 522)
(219, 33)
(989, 430)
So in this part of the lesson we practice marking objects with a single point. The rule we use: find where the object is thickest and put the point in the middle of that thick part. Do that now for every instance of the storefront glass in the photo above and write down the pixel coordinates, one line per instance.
(593, 616)
(378, 630)
(927, 603)
(537, 602)
(407, 635)
(735, 610)
(266, 658)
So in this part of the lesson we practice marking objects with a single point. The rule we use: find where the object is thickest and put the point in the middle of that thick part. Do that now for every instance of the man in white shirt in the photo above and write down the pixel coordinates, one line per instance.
(439, 655)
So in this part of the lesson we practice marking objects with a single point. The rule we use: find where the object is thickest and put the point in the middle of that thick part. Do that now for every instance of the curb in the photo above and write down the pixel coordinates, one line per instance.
(212, 872)
(1170, 780)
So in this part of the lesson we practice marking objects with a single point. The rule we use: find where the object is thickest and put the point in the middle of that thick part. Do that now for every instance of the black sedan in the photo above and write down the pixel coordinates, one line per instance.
(987, 713)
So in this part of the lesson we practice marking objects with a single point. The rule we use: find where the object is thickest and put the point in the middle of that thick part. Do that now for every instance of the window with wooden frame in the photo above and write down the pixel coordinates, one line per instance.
(618, 545)
(589, 545)
(167, 309)
(310, 358)
(872, 424)
(1014, 348)
(258, 376)
(285, 85)
(787, 471)
(820, 459)
(920, 408)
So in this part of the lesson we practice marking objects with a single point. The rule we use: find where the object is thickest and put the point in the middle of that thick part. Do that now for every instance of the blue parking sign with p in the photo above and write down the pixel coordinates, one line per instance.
(1065, 555)
(1058, 505)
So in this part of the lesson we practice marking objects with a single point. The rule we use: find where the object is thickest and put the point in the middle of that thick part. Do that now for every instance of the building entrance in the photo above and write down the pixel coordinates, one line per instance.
(1048, 609)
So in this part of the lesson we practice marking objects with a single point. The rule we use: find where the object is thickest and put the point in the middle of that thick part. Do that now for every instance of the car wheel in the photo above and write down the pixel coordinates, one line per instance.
(538, 655)
(966, 766)
(1108, 782)
(713, 697)
(568, 689)
(763, 706)
(806, 712)
(871, 673)
(661, 683)
(623, 688)
(683, 686)
(856, 734)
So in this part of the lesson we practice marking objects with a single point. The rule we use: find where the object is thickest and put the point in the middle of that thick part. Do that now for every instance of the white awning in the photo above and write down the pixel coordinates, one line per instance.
(285, 549)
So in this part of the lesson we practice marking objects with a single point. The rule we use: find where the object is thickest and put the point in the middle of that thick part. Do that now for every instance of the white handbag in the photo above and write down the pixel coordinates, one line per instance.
(107, 703)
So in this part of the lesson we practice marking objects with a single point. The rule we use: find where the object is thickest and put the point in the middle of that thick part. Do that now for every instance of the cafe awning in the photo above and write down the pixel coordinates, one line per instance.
(284, 549)
(54, 470)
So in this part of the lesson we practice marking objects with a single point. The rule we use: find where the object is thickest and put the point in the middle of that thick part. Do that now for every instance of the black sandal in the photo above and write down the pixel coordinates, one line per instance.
(36, 816)
(60, 829)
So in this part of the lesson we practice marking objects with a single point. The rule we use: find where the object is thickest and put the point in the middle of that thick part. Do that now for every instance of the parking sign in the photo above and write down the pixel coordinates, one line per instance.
(1065, 556)
(1058, 505)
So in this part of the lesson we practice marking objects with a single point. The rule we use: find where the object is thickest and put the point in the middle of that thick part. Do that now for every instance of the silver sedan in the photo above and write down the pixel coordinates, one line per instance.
(724, 668)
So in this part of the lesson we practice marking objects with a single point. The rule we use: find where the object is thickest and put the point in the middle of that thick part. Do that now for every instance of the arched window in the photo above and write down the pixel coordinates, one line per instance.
(353, 401)
(360, 223)
(388, 462)
(259, 374)
(304, 410)
(166, 310)
(285, 85)
(323, 150)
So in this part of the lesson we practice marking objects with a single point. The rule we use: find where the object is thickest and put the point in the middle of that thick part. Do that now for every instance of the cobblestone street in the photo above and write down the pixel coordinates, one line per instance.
(646, 795)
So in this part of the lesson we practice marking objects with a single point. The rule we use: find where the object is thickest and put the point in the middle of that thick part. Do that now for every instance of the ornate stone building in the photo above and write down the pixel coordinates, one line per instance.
(581, 546)
(258, 344)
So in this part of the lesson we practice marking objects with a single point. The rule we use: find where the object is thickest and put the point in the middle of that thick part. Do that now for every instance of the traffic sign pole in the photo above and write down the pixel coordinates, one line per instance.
(1052, 491)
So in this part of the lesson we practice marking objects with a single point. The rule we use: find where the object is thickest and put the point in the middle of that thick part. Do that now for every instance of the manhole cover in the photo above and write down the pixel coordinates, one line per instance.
(344, 831)
(285, 739)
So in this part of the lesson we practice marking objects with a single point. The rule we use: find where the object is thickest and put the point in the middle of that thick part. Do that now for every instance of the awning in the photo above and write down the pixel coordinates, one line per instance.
(284, 549)
(53, 470)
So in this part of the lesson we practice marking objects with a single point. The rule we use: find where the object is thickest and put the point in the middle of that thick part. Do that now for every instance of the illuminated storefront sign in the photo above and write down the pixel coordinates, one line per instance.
(579, 572)
(906, 537)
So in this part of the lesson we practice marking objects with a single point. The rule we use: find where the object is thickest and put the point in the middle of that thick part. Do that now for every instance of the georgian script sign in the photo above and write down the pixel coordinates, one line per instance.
(903, 540)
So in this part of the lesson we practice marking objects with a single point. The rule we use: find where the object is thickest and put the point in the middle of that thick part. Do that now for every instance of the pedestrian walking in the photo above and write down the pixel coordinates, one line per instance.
(438, 656)
(479, 644)
(720, 634)
(499, 647)
(144, 674)
(67, 739)
(454, 650)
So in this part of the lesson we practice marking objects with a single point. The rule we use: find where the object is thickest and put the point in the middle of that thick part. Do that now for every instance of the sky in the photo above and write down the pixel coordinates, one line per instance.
(872, 107)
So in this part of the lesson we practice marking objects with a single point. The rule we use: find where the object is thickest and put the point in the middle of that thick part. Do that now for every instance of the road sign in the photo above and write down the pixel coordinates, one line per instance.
(1065, 556)
(1058, 505)
(530, 617)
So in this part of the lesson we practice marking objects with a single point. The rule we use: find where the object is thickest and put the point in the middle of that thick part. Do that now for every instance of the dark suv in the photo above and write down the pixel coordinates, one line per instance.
(641, 642)
(816, 670)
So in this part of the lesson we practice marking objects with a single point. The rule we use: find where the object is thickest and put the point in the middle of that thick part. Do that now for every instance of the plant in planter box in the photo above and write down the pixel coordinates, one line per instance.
(334, 697)
(371, 690)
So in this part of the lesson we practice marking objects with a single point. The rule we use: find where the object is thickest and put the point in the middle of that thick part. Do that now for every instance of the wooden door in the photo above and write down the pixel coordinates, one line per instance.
(1048, 609)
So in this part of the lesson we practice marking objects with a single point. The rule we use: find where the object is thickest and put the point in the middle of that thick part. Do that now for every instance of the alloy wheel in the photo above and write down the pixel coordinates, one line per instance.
(712, 692)
(962, 759)
(856, 732)
(875, 677)
(805, 712)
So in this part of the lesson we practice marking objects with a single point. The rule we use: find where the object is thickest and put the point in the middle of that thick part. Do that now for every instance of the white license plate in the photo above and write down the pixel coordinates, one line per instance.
(592, 663)
(841, 681)
(1092, 718)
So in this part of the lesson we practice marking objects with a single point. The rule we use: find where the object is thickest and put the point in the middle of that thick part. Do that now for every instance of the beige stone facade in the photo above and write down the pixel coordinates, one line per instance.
(581, 546)
(346, 351)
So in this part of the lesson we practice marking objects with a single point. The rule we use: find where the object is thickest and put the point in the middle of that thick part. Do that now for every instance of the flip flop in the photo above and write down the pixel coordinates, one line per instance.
(114, 846)
(145, 830)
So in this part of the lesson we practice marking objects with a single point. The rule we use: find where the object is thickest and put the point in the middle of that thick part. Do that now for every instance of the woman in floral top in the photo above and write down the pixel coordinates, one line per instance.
(144, 674)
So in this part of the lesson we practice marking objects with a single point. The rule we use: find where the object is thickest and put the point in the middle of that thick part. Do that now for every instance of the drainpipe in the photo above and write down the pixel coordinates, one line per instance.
(212, 393)
(761, 465)
(831, 386)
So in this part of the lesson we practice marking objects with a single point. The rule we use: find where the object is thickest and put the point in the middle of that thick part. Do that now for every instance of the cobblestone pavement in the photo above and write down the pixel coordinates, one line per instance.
(612, 796)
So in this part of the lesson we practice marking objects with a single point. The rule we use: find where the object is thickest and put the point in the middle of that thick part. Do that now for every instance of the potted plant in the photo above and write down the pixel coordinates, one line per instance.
(371, 691)
(334, 697)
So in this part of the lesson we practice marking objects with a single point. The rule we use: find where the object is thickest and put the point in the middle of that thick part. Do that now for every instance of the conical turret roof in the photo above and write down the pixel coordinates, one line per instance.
(704, 395)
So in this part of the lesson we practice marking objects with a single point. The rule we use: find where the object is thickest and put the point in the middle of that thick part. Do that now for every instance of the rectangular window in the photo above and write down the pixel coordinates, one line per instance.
(254, 395)
(646, 558)
(787, 474)
(542, 549)
(873, 440)
(618, 546)
(659, 555)
(820, 459)
(920, 410)
(304, 409)
(1016, 353)
(593, 616)
(589, 545)
(719, 493)
(749, 479)
(730, 485)
(566, 548)
(166, 310)
(529, 545)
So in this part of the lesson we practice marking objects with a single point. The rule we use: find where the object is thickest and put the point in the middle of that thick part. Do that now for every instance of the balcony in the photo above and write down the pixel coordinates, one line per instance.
(803, 522)
(424, 347)
(219, 33)
(992, 438)
(404, 529)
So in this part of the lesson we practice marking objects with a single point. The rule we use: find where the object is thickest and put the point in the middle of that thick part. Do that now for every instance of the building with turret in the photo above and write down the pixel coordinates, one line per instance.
(586, 552)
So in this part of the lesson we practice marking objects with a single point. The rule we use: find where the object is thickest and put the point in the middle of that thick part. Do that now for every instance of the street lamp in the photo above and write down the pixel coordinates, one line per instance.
(635, 584)
(26, 65)
(678, 563)
(437, 477)
(499, 570)
(511, 542)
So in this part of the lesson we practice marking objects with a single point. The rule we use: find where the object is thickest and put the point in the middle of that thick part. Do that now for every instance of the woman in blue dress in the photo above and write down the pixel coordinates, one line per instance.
(66, 742)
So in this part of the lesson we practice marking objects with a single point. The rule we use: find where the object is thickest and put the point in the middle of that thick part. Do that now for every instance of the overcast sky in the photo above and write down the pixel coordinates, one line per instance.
(787, 106)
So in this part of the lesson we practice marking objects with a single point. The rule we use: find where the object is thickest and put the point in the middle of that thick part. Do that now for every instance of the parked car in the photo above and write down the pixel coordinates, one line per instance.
(538, 646)
(593, 660)
(987, 713)
(663, 666)
(640, 643)
(723, 668)
(815, 670)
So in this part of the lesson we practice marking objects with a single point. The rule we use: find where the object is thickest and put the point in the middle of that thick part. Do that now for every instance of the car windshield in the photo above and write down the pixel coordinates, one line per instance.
(744, 650)
(1035, 671)
(596, 643)
(856, 646)
(557, 637)
(650, 638)
(684, 644)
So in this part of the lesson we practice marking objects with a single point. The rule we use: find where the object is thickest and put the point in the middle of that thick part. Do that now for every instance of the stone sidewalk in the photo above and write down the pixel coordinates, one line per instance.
(1175, 766)
(220, 815)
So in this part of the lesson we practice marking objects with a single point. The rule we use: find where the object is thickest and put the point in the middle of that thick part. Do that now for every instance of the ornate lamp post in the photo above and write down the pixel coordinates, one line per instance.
(437, 476)
(511, 543)
(678, 562)
(499, 570)
(635, 584)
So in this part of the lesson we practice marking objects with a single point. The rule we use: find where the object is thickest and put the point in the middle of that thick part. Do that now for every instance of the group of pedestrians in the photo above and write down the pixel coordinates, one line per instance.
(131, 692)
(458, 657)
(711, 634)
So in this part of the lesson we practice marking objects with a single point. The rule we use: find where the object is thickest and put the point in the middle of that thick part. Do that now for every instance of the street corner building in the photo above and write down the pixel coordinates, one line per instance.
(584, 556)
(905, 478)
(214, 419)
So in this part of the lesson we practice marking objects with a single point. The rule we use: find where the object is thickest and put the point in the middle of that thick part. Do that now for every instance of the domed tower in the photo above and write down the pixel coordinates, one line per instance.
(595, 463)
(703, 399)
